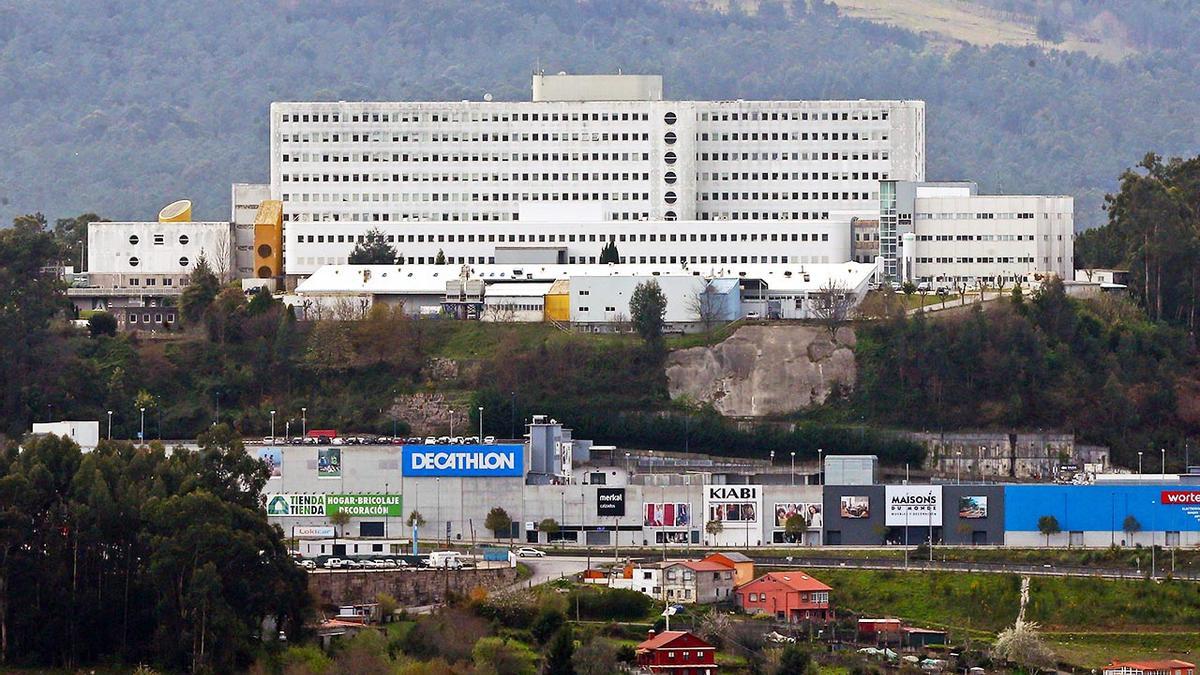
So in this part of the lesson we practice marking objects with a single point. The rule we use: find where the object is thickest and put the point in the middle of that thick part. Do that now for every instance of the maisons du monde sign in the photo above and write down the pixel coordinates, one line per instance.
(295, 504)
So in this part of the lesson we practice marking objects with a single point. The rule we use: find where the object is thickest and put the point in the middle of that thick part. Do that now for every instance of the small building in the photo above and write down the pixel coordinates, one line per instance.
(85, 433)
(676, 652)
(793, 597)
(679, 581)
(643, 579)
(1161, 667)
(743, 565)
(920, 638)
(880, 631)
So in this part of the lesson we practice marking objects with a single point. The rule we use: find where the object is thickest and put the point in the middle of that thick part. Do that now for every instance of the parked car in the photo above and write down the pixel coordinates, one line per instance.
(334, 563)
(924, 287)
(489, 440)
(529, 552)
(430, 440)
(457, 440)
(443, 440)
(471, 440)
(446, 559)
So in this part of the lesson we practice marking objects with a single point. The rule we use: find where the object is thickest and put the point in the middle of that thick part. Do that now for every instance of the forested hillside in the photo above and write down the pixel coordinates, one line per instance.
(119, 107)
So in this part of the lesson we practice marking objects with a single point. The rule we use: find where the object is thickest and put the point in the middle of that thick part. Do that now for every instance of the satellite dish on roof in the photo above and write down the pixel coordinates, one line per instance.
(487, 97)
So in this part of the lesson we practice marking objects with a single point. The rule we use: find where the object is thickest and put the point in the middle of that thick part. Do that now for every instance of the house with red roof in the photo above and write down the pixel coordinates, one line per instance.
(793, 597)
(700, 581)
(1157, 667)
(676, 652)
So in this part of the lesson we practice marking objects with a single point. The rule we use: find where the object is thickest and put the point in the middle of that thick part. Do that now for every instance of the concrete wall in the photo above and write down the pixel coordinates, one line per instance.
(997, 456)
(113, 246)
(409, 587)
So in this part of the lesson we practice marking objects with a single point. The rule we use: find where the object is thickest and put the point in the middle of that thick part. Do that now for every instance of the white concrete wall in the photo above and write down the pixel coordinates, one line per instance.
(308, 246)
(1018, 236)
(162, 251)
(474, 161)
(245, 199)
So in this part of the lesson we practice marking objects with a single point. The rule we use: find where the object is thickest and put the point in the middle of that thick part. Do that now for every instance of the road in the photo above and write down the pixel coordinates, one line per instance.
(977, 567)
(552, 567)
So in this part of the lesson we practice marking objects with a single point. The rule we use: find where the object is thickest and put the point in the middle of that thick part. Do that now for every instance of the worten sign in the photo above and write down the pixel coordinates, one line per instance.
(1181, 497)
(910, 505)
(464, 460)
(610, 502)
(294, 504)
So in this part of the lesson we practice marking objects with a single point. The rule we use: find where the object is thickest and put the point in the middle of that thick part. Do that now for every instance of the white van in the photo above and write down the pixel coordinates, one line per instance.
(446, 559)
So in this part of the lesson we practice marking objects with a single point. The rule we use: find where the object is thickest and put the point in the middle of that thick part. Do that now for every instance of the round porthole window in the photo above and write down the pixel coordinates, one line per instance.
(670, 158)
(183, 239)
(670, 118)
(133, 262)
(264, 251)
(670, 138)
(183, 261)
(133, 240)
(670, 177)
(670, 215)
(670, 198)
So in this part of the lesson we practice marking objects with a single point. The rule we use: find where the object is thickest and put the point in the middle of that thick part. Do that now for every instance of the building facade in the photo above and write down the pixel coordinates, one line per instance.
(676, 652)
(639, 158)
(947, 233)
(793, 596)
(154, 255)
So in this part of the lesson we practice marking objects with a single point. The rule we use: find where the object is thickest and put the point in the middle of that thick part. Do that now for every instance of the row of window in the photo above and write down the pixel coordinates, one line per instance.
(472, 157)
(981, 260)
(784, 156)
(134, 261)
(412, 116)
(985, 215)
(457, 177)
(794, 136)
(563, 238)
(159, 239)
(817, 597)
(734, 196)
(762, 215)
(153, 281)
(471, 116)
(311, 261)
(466, 137)
(445, 216)
(795, 175)
(145, 319)
(402, 197)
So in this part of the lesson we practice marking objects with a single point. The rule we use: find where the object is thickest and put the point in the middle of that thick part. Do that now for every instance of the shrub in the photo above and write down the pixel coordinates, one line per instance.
(616, 604)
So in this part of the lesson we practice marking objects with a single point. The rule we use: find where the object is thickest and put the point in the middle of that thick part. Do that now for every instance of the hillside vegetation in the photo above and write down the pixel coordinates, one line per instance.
(122, 107)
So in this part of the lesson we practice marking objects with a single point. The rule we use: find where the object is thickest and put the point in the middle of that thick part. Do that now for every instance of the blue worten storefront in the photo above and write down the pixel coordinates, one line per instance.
(1096, 515)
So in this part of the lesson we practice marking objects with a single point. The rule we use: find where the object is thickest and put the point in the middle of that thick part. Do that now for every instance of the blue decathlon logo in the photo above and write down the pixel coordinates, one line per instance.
(464, 460)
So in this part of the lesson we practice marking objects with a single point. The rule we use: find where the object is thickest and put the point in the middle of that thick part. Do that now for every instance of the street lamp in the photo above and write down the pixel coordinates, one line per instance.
(1139, 462)
(387, 513)
(110, 425)
(958, 467)
(480, 424)
(1163, 466)
(772, 460)
(627, 471)
(272, 426)
(451, 424)
(142, 433)
(793, 467)
(820, 468)
(304, 422)
(217, 419)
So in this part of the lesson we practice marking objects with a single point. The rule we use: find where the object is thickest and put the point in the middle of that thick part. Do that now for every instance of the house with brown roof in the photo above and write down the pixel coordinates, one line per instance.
(743, 565)
(676, 652)
(793, 597)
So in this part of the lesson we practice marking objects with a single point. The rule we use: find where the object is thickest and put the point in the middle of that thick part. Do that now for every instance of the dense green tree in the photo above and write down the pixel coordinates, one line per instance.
(559, 652)
(609, 254)
(29, 299)
(102, 324)
(373, 249)
(200, 293)
(1048, 526)
(648, 309)
(71, 236)
(166, 559)
(795, 660)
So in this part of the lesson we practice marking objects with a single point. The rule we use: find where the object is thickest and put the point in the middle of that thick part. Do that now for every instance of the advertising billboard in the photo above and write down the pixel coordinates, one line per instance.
(313, 531)
(855, 507)
(610, 502)
(295, 504)
(273, 458)
(672, 514)
(733, 504)
(493, 461)
(972, 507)
(809, 511)
(1103, 508)
(329, 463)
(365, 504)
(913, 505)
(301, 504)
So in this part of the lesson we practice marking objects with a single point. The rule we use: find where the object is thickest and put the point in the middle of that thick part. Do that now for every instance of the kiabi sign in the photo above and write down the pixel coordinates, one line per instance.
(464, 460)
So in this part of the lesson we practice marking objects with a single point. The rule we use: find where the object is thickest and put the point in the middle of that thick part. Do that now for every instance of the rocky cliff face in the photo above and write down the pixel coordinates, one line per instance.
(765, 370)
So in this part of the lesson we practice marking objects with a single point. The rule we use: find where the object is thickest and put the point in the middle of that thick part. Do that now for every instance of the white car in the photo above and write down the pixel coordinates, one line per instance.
(334, 563)
(430, 440)
(527, 552)
(489, 440)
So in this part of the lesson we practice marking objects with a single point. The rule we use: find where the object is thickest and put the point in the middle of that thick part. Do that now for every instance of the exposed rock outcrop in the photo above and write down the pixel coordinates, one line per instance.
(765, 370)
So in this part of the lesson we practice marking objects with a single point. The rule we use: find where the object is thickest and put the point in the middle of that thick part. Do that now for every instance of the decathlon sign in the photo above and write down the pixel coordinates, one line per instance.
(464, 460)
(913, 505)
